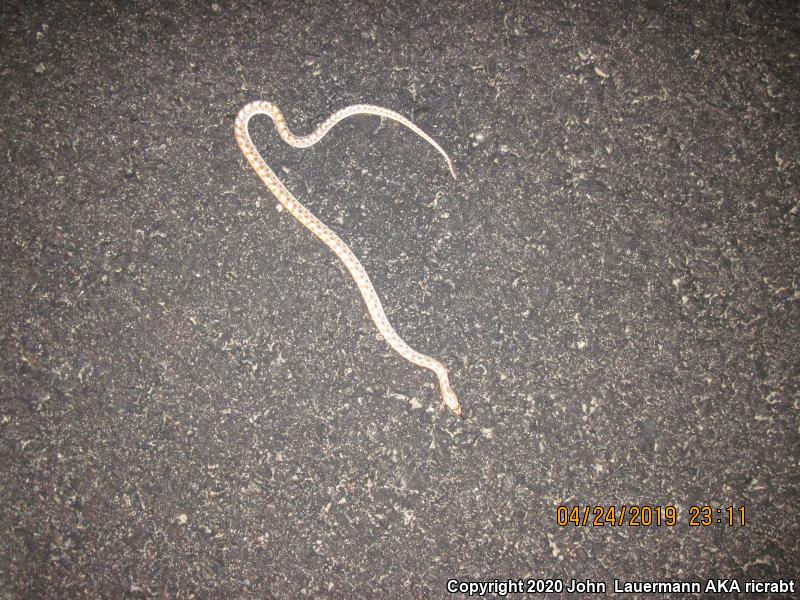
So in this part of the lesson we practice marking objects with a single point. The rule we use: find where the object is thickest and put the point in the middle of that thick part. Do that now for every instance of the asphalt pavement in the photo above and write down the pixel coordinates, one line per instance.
(194, 402)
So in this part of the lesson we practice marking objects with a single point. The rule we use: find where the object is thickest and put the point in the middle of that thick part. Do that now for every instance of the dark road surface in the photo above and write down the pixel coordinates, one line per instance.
(194, 401)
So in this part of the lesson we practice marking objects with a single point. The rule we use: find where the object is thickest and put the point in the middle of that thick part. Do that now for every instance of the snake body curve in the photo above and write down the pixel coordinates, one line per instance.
(328, 237)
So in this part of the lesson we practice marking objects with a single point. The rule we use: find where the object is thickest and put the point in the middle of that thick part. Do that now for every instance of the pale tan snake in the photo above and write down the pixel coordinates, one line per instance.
(328, 237)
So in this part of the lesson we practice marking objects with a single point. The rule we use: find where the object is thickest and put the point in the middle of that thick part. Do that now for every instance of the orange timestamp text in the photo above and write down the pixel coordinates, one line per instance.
(647, 515)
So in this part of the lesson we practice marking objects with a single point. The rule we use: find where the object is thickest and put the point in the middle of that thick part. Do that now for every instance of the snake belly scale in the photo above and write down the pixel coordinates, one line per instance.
(328, 237)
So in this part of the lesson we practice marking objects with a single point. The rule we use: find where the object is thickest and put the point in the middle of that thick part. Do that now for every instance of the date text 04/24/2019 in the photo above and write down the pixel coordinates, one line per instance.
(647, 515)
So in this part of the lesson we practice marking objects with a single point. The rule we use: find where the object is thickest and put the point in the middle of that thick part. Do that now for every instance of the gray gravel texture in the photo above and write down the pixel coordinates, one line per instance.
(194, 400)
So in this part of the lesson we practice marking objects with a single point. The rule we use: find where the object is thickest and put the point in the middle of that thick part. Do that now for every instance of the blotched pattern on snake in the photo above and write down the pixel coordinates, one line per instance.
(328, 237)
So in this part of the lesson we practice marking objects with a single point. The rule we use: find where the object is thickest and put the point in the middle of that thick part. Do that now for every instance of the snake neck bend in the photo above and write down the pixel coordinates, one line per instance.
(325, 234)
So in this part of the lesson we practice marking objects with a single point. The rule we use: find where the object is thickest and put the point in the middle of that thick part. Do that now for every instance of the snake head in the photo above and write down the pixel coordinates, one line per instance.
(449, 398)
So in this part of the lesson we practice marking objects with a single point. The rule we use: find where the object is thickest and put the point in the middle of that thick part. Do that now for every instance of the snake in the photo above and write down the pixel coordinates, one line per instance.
(324, 233)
